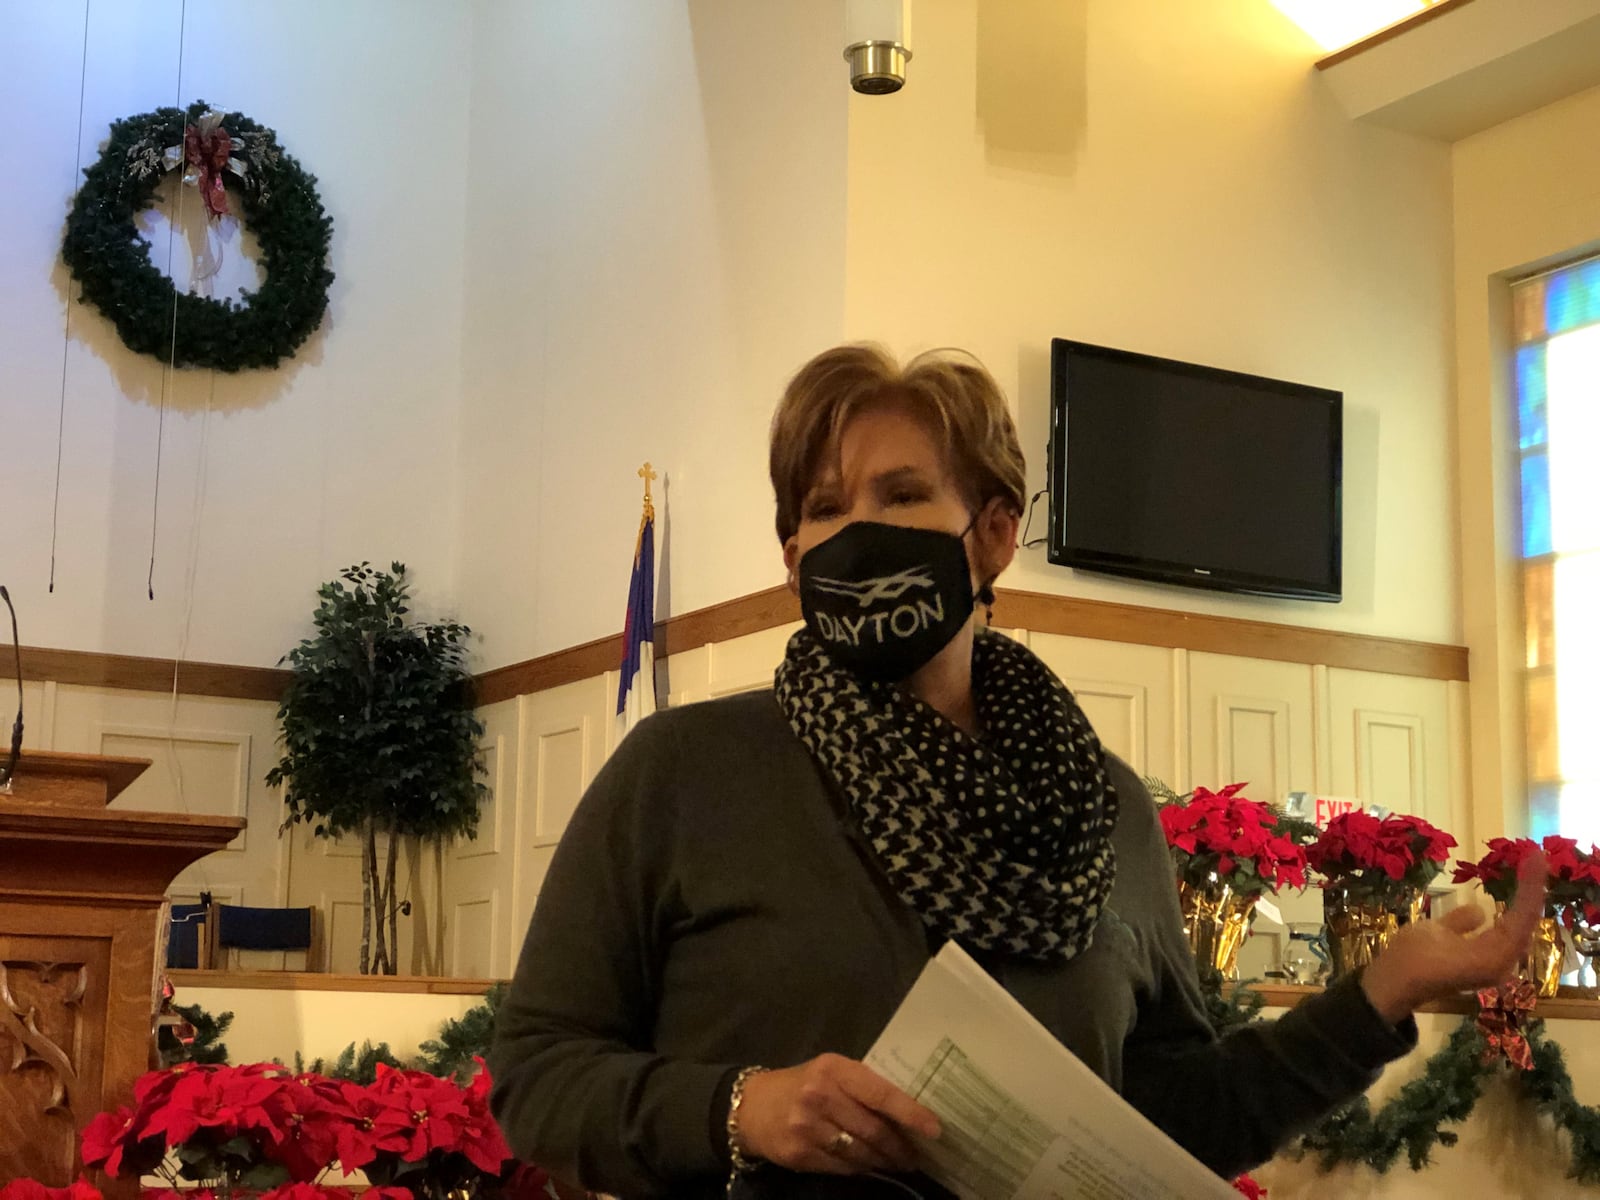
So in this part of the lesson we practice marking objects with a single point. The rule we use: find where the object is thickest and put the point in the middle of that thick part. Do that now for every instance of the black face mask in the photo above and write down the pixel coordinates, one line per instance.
(884, 599)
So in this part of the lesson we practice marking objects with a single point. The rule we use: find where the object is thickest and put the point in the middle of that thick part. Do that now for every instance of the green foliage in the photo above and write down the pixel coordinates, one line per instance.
(355, 1066)
(462, 1039)
(1445, 1093)
(1549, 1088)
(207, 1045)
(1240, 1006)
(111, 262)
(377, 721)
(1160, 792)
(1414, 1120)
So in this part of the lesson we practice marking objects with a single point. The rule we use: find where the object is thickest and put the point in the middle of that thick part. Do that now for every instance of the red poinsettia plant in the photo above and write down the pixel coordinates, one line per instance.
(1225, 837)
(1381, 859)
(264, 1129)
(1572, 883)
(32, 1189)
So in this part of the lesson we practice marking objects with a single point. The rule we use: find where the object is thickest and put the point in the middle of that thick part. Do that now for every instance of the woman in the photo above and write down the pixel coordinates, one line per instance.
(755, 882)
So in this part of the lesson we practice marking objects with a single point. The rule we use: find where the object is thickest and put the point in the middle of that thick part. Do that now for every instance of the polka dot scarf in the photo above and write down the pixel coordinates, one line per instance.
(1003, 841)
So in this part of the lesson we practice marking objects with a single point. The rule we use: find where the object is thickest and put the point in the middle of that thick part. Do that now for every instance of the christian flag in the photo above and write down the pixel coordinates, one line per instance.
(636, 694)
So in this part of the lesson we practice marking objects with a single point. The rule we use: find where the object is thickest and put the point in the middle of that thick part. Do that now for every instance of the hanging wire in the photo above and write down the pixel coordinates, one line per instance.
(66, 334)
(197, 504)
(196, 521)
(172, 352)
(1039, 541)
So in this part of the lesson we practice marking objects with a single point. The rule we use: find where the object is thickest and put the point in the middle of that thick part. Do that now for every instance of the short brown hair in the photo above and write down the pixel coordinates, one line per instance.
(948, 388)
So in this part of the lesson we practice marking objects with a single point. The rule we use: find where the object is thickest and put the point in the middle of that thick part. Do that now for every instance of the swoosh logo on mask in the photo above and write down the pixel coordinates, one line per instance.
(866, 592)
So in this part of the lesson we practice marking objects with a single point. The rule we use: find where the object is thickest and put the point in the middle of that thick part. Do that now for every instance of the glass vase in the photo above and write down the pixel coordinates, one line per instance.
(1586, 941)
(1217, 920)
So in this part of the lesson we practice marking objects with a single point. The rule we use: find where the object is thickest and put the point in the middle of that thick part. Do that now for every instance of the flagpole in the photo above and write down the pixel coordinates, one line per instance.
(636, 688)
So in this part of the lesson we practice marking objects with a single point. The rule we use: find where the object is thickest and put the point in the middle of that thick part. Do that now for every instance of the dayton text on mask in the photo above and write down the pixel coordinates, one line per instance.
(904, 621)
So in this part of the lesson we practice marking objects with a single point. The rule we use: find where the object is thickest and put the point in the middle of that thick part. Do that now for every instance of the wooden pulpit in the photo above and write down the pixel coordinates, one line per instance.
(81, 893)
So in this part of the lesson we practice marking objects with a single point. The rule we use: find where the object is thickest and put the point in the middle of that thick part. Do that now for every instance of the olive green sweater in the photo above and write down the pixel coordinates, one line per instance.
(711, 907)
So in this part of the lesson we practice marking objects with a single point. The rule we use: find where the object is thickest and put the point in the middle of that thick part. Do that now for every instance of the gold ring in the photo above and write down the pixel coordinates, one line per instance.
(840, 1142)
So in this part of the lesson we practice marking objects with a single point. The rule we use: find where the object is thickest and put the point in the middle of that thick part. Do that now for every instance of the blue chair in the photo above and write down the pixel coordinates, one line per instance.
(188, 944)
(271, 929)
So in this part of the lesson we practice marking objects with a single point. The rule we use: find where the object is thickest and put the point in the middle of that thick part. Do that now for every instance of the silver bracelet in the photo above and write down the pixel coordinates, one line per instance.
(742, 1163)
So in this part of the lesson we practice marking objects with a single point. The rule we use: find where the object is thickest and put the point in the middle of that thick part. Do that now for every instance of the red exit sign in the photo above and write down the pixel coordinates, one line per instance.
(1329, 807)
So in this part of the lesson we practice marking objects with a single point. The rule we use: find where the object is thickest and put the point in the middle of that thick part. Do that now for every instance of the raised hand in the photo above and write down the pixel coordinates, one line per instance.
(833, 1115)
(1430, 960)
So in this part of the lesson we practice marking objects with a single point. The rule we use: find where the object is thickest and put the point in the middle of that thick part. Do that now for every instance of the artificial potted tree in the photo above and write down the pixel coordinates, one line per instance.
(379, 736)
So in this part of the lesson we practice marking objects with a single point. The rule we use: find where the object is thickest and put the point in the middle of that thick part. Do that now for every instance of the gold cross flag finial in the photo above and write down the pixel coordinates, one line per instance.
(648, 474)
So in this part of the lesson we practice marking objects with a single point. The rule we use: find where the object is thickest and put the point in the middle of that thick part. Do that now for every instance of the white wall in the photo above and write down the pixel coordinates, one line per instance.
(273, 1024)
(656, 241)
(571, 238)
(347, 452)
(1526, 193)
(1169, 176)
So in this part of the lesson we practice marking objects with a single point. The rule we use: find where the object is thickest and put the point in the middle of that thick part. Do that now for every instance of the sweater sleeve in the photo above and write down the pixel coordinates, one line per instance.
(577, 1087)
(1234, 1101)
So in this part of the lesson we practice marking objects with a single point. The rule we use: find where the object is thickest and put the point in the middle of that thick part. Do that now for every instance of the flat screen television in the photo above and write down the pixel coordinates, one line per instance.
(1191, 475)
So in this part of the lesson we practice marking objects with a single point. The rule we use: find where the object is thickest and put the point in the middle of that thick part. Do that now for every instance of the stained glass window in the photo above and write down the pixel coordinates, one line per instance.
(1531, 396)
(1556, 320)
(1535, 504)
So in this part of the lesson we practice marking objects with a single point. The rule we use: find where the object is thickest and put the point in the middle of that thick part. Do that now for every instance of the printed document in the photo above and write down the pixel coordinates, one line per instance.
(1022, 1116)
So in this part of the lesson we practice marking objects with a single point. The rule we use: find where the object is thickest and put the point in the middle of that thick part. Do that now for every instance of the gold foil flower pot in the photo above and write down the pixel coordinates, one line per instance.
(1359, 927)
(1217, 921)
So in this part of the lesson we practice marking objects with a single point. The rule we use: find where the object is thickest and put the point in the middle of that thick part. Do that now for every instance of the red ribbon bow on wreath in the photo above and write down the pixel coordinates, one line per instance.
(207, 149)
(1502, 1012)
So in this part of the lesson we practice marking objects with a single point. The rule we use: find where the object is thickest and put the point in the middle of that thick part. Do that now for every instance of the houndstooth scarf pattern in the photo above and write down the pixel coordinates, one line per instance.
(1001, 842)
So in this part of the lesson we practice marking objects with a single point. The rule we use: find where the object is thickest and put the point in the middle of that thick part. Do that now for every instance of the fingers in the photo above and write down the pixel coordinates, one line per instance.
(1516, 927)
(887, 1143)
(1463, 919)
(872, 1091)
(1495, 955)
(832, 1115)
(1528, 907)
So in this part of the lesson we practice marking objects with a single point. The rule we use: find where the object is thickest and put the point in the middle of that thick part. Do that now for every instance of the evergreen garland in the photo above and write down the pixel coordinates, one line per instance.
(1241, 1006)
(461, 1040)
(1446, 1092)
(206, 1046)
(1548, 1087)
(352, 1065)
(111, 263)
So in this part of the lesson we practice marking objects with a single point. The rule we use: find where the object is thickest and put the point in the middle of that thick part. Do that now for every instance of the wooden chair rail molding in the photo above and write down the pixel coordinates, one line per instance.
(127, 672)
(1572, 1004)
(1569, 1004)
(315, 981)
(1096, 619)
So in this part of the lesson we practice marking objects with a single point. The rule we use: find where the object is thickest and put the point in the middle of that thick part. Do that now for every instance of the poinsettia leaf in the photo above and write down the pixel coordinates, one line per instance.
(265, 1175)
(193, 1152)
(200, 1170)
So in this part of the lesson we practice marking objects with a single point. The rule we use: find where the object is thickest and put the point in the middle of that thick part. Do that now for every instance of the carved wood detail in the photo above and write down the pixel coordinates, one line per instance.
(41, 1045)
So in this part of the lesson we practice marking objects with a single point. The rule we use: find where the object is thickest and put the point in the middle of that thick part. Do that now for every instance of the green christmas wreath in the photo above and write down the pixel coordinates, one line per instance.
(278, 202)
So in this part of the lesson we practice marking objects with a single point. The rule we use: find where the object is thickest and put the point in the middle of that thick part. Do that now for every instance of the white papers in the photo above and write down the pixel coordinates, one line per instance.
(1269, 910)
(1023, 1117)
